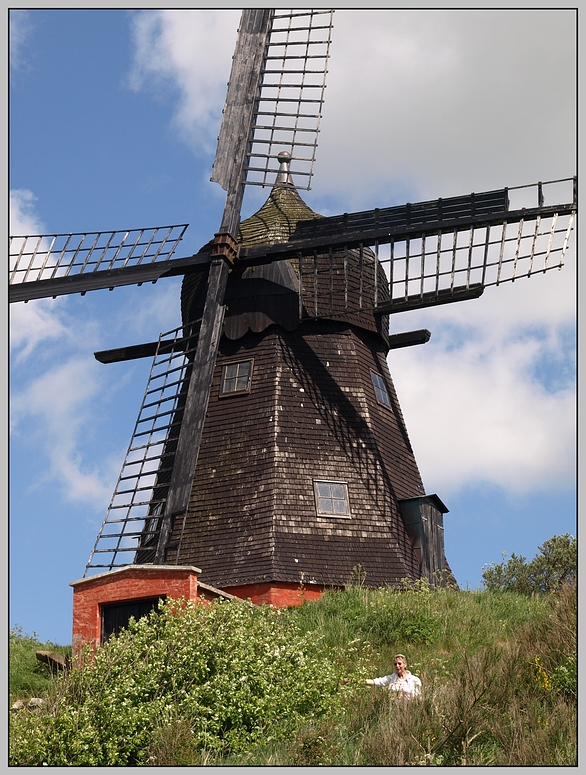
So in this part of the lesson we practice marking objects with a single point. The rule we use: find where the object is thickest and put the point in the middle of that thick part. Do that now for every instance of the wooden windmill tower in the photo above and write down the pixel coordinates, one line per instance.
(270, 450)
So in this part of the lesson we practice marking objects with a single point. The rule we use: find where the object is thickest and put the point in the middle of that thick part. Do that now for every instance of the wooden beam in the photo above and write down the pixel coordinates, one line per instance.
(109, 278)
(408, 338)
(244, 89)
(130, 353)
(196, 402)
(135, 351)
(430, 299)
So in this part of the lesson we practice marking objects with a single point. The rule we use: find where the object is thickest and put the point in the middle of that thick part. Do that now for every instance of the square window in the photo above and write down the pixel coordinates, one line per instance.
(380, 389)
(331, 499)
(236, 378)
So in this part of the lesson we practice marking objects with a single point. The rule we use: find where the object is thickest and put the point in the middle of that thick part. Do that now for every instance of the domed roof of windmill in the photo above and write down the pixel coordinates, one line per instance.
(269, 294)
(277, 218)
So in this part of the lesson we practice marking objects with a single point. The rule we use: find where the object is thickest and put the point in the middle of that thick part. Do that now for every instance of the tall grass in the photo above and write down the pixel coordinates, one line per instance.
(29, 677)
(498, 671)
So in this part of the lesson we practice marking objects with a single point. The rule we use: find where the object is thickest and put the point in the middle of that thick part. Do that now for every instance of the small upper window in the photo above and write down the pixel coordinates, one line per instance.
(380, 389)
(331, 499)
(236, 378)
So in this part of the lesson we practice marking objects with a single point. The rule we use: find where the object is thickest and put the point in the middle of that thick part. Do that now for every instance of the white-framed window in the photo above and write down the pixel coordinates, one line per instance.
(236, 378)
(380, 389)
(331, 498)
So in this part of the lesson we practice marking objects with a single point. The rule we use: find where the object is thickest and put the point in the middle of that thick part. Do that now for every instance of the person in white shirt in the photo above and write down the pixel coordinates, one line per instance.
(402, 681)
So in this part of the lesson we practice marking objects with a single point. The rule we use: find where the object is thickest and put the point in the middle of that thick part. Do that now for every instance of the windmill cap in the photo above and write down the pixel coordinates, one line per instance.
(284, 173)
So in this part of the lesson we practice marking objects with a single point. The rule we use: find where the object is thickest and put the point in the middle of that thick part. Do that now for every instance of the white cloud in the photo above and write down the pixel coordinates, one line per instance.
(55, 405)
(491, 397)
(23, 218)
(191, 52)
(20, 31)
(55, 408)
(37, 321)
(31, 324)
(58, 407)
(155, 309)
(421, 104)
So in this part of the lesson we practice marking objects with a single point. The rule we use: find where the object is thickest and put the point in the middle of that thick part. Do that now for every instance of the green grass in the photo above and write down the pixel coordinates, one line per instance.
(29, 677)
(498, 672)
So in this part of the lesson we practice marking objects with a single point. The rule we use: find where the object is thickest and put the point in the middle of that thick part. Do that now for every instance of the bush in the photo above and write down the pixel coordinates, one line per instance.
(209, 680)
(555, 565)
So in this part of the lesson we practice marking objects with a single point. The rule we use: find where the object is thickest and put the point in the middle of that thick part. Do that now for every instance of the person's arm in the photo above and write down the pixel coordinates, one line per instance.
(384, 681)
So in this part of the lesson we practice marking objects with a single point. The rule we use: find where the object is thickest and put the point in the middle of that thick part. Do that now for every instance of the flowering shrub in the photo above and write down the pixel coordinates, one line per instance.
(541, 677)
(229, 673)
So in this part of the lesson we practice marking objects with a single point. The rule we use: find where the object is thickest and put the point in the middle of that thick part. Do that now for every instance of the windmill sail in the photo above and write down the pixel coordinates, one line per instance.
(57, 264)
(434, 252)
(261, 73)
(275, 96)
(133, 520)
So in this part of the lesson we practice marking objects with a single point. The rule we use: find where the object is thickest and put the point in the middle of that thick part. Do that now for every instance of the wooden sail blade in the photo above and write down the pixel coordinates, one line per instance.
(243, 91)
(133, 520)
(53, 265)
(230, 172)
(427, 253)
(292, 95)
(109, 278)
(275, 96)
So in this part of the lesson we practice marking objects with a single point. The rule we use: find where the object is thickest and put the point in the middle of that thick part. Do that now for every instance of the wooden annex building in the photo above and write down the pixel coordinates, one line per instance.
(305, 471)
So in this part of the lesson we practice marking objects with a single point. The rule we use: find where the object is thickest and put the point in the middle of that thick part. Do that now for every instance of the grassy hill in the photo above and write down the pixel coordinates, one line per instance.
(234, 684)
(29, 677)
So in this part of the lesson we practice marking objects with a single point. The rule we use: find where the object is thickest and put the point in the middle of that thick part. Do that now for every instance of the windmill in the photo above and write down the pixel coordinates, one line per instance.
(436, 252)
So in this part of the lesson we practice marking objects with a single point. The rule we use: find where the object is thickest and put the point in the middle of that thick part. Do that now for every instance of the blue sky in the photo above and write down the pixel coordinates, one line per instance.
(113, 121)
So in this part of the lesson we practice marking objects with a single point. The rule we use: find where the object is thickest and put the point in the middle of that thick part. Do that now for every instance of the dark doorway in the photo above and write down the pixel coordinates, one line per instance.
(115, 616)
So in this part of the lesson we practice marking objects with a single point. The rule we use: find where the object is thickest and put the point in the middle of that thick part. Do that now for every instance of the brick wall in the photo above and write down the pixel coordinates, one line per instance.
(278, 594)
(132, 582)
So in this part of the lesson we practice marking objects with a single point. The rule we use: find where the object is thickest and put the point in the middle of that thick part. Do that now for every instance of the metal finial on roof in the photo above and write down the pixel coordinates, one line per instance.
(284, 173)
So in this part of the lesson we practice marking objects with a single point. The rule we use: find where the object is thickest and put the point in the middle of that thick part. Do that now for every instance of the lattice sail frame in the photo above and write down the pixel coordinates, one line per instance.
(290, 105)
(133, 521)
(275, 97)
(47, 257)
(435, 265)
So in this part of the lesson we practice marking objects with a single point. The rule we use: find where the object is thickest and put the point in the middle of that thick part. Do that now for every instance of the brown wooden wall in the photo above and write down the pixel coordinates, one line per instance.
(311, 414)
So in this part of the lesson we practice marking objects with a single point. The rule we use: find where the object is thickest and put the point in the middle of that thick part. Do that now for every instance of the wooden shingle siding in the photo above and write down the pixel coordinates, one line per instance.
(311, 414)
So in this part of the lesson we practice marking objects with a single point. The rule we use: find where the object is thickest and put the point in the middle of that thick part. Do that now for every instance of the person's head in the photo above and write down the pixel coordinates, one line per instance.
(400, 664)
